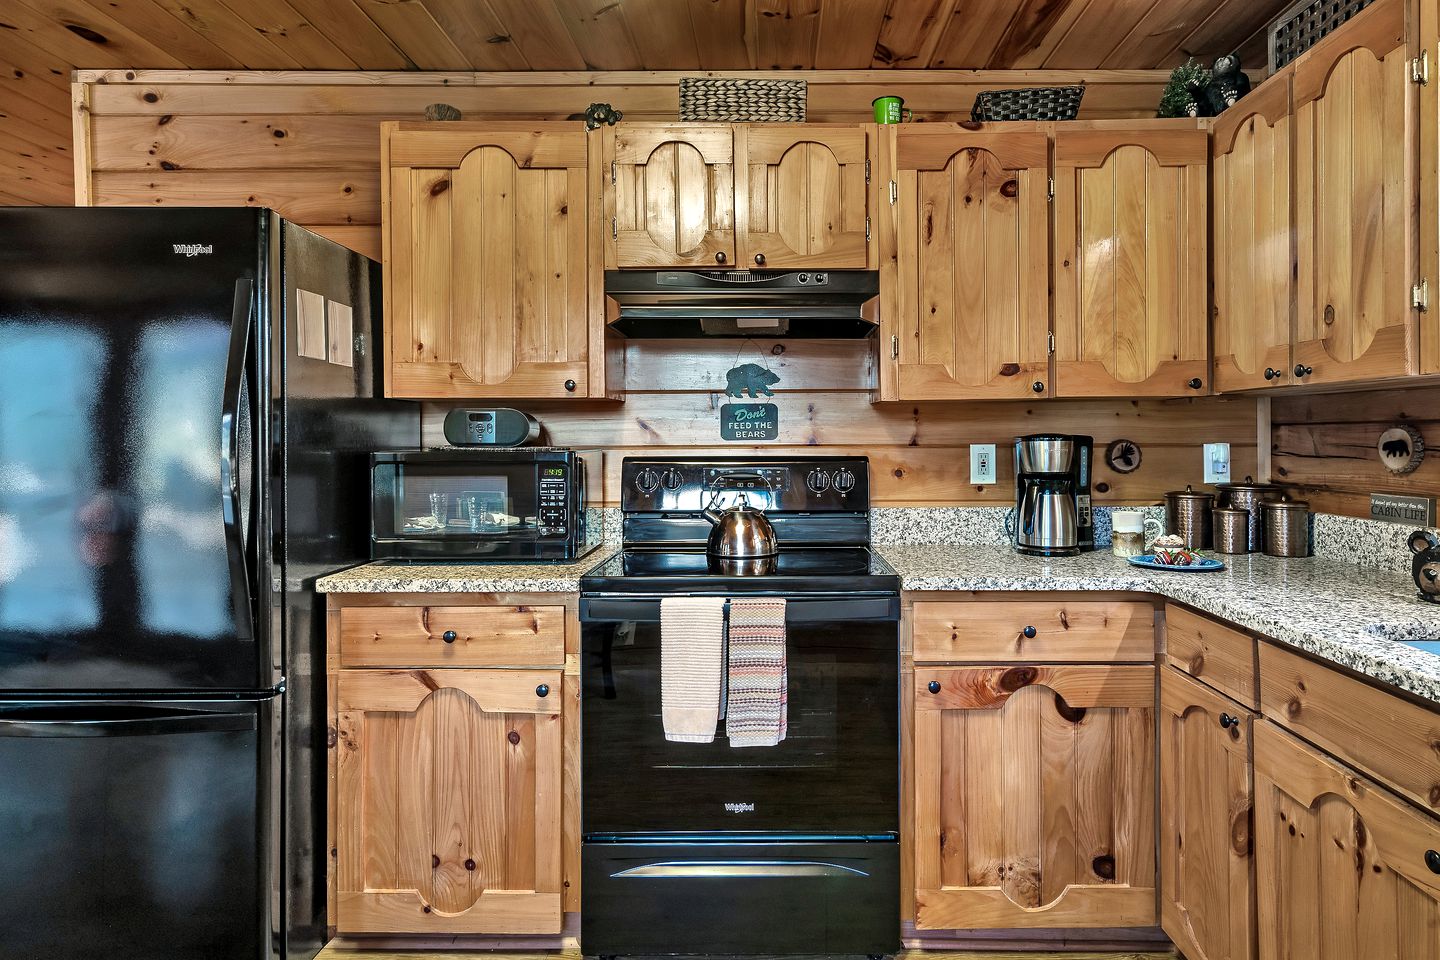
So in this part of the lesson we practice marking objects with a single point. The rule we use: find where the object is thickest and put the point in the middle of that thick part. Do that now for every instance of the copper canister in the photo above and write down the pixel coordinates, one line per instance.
(1247, 495)
(1231, 526)
(1187, 513)
(1287, 528)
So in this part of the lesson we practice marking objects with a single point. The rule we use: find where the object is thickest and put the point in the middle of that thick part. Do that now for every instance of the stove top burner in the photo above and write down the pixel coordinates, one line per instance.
(804, 570)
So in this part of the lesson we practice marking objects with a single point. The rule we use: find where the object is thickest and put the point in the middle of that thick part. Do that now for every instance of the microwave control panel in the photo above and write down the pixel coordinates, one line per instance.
(554, 493)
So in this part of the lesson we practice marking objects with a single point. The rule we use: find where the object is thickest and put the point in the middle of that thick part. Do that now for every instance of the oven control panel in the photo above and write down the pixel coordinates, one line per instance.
(800, 484)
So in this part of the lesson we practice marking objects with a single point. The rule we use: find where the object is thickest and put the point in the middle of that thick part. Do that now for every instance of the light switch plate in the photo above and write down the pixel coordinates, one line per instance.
(1217, 463)
(982, 463)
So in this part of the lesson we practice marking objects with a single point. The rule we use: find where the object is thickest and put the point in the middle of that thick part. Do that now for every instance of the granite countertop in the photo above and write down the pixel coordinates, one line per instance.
(1355, 617)
(405, 577)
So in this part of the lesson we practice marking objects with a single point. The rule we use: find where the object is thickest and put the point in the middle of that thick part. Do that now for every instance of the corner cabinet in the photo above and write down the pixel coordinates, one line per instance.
(488, 241)
(1207, 868)
(962, 316)
(1253, 258)
(1356, 198)
(1131, 297)
(1034, 796)
(1345, 868)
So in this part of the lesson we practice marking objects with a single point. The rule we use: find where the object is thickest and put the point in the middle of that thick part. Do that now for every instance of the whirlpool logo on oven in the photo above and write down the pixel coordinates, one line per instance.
(739, 808)
(193, 249)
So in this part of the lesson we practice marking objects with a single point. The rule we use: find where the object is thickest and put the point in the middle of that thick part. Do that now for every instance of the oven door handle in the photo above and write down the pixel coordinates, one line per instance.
(735, 869)
(830, 610)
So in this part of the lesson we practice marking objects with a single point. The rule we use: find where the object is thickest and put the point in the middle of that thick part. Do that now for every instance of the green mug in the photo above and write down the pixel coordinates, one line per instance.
(890, 110)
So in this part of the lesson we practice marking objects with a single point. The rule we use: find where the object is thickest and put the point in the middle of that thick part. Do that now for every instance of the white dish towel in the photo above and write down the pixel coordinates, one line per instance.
(692, 651)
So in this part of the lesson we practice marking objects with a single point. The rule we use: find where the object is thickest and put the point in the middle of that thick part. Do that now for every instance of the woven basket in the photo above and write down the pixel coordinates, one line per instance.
(1028, 103)
(741, 101)
(1306, 24)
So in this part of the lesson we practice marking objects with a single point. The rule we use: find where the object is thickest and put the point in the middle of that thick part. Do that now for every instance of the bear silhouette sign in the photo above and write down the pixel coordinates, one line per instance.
(748, 422)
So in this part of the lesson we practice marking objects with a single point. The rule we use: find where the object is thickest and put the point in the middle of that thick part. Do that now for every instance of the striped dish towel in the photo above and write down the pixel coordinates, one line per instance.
(755, 712)
(692, 646)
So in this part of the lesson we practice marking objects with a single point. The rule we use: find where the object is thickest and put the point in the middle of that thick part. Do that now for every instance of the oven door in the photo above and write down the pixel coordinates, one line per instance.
(835, 776)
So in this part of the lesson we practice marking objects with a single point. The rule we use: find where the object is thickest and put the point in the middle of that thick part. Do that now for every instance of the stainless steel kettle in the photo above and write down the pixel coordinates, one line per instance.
(739, 532)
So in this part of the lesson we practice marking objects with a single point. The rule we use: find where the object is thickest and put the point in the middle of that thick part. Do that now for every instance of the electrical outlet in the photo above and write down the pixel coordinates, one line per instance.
(1217, 463)
(982, 463)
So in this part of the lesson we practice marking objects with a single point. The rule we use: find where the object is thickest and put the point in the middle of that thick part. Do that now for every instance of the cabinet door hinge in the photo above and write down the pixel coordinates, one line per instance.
(894, 193)
(894, 347)
(614, 228)
(867, 229)
(1420, 68)
(1050, 189)
(1051, 343)
(867, 169)
(1420, 295)
(612, 173)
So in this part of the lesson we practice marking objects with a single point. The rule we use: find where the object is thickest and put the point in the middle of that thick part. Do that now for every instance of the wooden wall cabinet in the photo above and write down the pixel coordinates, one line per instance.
(1034, 796)
(1345, 869)
(1207, 871)
(490, 290)
(1131, 298)
(1253, 257)
(962, 314)
(448, 801)
(1356, 199)
(670, 196)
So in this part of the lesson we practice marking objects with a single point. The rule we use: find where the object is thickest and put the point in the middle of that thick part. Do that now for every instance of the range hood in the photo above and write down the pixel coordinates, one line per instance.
(812, 304)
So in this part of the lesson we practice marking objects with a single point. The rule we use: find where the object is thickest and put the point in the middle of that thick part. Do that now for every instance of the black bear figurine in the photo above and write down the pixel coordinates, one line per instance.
(1425, 565)
(1227, 84)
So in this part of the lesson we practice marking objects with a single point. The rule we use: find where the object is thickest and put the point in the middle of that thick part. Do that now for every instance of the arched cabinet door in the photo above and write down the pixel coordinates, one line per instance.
(488, 287)
(1253, 257)
(1207, 866)
(671, 197)
(1034, 796)
(1355, 196)
(448, 795)
(962, 314)
(1130, 261)
(1344, 868)
(802, 196)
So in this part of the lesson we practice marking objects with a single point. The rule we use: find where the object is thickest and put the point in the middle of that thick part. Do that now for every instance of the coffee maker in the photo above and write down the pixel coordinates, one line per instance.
(1052, 495)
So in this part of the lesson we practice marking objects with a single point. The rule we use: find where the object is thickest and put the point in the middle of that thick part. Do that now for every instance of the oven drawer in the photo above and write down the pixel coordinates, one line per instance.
(1006, 631)
(445, 636)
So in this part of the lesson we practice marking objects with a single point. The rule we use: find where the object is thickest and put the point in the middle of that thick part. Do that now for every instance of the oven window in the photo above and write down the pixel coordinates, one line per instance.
(435, 502)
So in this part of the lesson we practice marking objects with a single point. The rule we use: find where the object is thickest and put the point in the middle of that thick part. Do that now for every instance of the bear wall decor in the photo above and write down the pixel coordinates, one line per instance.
(1401, 449)
(1425, 565)
(751, 379)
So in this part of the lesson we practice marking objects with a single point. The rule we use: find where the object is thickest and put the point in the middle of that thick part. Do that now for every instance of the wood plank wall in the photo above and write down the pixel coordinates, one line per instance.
(308, 145)
(1324, 444)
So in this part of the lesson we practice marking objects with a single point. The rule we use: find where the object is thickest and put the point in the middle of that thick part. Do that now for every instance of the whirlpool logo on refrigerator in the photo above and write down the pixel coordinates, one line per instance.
(739, 808)
(193, 249)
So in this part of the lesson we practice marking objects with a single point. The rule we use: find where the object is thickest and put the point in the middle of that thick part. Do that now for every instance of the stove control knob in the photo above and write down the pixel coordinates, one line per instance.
(844, 481)
(647, 480)
(671, 479)
(818, 481)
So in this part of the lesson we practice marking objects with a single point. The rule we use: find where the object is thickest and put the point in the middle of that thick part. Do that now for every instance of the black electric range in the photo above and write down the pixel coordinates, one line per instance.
(708, 849)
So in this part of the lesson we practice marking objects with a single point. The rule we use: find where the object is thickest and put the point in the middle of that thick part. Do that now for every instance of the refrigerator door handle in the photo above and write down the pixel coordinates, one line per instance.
(21, 723)
(241, 317)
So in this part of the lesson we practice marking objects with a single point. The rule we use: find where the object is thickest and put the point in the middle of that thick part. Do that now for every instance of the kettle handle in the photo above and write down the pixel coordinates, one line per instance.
(736, 475)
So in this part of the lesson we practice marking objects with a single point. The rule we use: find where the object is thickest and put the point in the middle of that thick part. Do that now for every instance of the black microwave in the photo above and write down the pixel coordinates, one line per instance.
(521, 503)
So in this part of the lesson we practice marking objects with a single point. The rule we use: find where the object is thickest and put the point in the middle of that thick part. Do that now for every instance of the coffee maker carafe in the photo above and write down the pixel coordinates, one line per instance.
(1052, 495)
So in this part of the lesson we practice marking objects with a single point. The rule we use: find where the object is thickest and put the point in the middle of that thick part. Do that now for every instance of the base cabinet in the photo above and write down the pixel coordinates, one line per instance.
(1034, 796)
(1207, 870)
(448, 789)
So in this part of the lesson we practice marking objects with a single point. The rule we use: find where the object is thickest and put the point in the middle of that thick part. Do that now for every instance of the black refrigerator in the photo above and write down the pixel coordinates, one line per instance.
(188, 398)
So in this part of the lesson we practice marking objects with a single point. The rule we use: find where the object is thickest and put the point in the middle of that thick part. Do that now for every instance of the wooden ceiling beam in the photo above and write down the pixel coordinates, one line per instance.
(223, 27)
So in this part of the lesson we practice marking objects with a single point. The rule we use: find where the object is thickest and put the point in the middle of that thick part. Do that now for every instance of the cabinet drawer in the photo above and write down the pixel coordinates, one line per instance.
(1377, 732)
(1033, 630)
(1211, 652)
(424, 636)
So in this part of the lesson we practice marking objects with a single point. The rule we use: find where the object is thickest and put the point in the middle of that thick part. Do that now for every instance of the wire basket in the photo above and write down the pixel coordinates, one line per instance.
(741, 101)
(1306, 24)
(1028, 103)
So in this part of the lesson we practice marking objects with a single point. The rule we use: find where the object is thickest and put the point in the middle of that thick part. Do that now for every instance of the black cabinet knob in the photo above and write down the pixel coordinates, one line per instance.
(570, 385)
(448, 636)
(1303, 371)
(759, 259)
(1228, 721)
(933, 686)
(1038, 386)
(1432, 860)
(1271, 373)
(543, 690)
(720, 256)
(1029, 632)
(1195, 383)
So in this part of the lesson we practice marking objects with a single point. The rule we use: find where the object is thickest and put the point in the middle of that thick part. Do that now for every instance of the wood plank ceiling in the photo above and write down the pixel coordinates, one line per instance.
(41, 41)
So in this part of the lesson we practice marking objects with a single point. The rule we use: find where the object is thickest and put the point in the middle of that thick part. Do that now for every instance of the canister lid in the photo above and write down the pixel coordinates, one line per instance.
(1189, 494)
(1249, 484)
(1285, 504)
(1231, 512)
